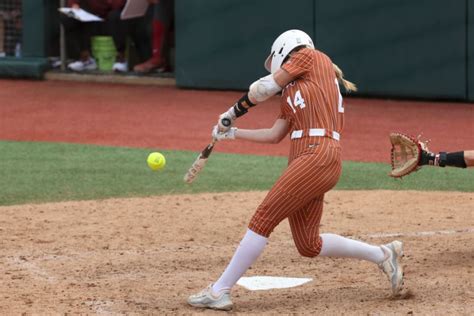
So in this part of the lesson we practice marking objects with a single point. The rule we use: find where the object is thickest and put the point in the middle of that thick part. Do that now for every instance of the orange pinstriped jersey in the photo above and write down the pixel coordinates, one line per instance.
(313, 100)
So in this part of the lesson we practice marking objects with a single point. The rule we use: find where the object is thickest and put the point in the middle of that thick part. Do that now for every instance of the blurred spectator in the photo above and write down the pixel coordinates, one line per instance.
(163, 21)
(10, 28)
(78, 34)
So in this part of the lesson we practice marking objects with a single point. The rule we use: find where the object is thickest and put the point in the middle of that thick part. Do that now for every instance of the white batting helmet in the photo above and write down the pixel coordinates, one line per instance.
(283, 45)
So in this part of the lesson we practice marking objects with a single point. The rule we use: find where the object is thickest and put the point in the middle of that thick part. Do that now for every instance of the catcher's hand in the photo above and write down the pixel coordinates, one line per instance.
(407, 154)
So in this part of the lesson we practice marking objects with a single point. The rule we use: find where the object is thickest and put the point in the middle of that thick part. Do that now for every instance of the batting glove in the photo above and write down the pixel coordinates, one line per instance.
(230, 134)
(229, 115)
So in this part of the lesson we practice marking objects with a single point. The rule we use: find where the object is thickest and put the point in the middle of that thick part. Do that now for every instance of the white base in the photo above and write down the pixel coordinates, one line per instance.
(258, 283)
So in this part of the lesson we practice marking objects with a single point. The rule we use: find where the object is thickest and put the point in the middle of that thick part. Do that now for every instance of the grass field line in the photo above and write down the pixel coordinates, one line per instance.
(40, 273)
(422, 234)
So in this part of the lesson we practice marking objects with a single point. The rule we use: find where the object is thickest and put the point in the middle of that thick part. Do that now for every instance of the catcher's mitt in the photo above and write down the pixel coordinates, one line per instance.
(406, 154)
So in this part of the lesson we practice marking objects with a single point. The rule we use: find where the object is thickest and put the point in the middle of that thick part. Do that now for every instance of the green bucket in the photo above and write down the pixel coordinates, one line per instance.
(103, 50)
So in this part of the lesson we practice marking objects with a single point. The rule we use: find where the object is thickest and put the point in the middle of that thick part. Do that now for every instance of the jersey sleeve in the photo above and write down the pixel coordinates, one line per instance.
(282, 116)
(284, 111)
(300, 63)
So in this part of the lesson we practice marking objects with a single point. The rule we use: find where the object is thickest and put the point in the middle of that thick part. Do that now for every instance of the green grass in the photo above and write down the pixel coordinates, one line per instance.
(33, 172)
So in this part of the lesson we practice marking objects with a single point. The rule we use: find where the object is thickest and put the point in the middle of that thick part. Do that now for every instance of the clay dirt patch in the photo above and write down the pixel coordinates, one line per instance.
(146, 255)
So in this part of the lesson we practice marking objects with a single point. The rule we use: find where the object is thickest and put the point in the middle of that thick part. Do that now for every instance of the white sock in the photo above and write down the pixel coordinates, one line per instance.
(338, 246)
(250, 248)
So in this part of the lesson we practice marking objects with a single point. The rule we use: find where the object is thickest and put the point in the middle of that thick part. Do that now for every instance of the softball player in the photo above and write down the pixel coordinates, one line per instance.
(312, 113)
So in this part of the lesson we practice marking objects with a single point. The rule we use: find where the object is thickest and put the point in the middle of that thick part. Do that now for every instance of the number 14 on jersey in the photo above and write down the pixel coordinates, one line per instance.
(297, 102)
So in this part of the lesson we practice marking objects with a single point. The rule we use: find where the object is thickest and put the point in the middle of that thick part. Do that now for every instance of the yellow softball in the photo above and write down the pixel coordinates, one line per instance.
(156, 161)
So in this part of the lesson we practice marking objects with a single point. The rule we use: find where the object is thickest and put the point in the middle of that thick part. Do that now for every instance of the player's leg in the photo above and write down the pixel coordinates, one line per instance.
(119, 29)
(305, 178)
(305, 224)
(217, 295)
(2, 37)
(73, 29)
(166, 16)
(284, 198)
(387, 256)
(162, 25)
(275, 207)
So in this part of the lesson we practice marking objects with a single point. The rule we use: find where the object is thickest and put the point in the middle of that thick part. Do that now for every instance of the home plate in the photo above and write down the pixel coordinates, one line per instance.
(258, 283)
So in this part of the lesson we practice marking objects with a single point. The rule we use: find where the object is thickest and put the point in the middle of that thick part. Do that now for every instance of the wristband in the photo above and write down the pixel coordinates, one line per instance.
(455, 159)
(241, 107)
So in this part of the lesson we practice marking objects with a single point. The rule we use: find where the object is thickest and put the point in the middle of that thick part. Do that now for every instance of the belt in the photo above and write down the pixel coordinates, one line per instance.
(321, 132)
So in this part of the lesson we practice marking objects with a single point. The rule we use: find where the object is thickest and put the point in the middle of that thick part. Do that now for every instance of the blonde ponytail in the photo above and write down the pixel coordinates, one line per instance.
(349, 86)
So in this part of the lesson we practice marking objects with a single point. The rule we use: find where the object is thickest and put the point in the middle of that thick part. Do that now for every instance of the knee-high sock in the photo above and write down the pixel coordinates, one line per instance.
(338, 246)
(250, 248)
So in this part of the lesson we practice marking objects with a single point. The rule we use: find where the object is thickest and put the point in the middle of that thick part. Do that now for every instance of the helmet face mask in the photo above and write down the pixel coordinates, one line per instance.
(284, 45)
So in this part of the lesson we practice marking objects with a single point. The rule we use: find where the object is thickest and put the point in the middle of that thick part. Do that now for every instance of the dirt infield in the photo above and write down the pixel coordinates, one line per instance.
(126, 256)
(145, 256)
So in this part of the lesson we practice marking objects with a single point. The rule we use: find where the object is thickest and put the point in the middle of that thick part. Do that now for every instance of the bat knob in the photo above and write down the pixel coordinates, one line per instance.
(226, 122)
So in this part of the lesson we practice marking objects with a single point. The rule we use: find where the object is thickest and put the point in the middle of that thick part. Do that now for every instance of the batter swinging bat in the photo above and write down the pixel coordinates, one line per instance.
(201, 160)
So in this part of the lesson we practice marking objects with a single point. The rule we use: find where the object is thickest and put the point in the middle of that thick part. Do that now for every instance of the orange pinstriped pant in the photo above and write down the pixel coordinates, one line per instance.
(298, 195)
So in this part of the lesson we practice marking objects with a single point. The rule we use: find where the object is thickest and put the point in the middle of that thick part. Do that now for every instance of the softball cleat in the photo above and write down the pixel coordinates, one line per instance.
(206, 299)
(391, 265)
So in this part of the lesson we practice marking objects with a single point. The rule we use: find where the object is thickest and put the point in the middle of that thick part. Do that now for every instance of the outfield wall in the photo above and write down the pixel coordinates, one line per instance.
(391, 48)
(470, 50)
(39, 22)
(400, 48)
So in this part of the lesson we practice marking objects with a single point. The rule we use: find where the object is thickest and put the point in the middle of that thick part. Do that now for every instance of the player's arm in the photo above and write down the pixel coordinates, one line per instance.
(271, 135)
(460, 159)
(259, 91)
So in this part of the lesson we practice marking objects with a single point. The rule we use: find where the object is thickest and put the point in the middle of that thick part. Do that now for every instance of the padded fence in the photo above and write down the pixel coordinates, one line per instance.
(395, 48)
(391, 48)
(400, 48)
(223, 44)
(26, 32)
(470, 50)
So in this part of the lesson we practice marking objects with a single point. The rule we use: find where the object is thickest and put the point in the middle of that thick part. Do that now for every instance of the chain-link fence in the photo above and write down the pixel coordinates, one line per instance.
(10, 28)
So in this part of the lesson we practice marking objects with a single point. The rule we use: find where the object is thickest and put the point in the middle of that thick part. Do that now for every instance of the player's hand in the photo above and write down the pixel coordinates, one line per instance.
(223, 122)
(75, 6)
(217, 135)
(226, 120)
